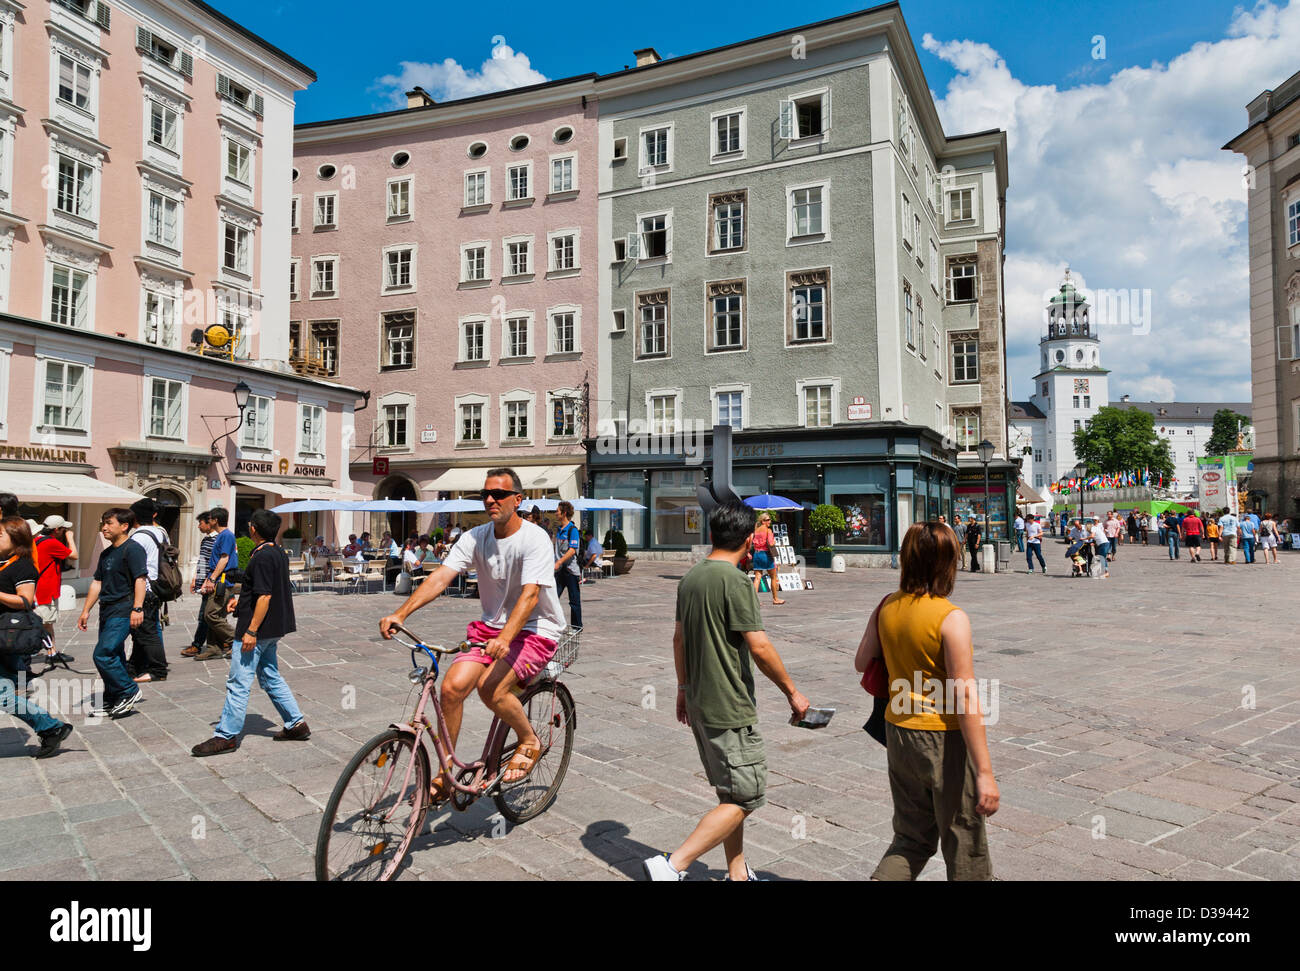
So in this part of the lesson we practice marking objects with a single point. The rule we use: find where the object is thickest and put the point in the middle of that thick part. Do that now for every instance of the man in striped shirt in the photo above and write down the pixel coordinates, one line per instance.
(201, 574)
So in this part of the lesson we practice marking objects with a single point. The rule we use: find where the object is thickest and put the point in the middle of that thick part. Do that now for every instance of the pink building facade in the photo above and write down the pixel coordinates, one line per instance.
(145, 160)
(444, 257)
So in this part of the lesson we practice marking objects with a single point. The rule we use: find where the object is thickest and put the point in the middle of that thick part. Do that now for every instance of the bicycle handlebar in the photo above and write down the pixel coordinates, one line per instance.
(413, 643)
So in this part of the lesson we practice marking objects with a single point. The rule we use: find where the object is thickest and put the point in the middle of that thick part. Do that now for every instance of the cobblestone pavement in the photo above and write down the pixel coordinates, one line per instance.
(1160, 707)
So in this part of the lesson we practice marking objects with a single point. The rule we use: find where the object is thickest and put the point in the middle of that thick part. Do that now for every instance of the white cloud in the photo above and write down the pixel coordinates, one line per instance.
(448, 80)
(1126, 181)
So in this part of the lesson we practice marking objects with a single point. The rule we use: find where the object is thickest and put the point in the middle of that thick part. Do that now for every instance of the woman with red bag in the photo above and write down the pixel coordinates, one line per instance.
(940, 774)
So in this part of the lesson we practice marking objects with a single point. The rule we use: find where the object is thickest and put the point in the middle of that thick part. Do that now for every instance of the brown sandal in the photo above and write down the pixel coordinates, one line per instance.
(522, 761)
(440, 789)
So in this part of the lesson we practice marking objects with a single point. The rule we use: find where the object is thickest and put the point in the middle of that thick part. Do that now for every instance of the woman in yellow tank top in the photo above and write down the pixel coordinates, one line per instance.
(939, 769)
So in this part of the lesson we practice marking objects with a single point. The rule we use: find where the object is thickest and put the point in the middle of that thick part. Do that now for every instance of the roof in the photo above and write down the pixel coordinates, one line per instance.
(1185, 410)
(264, 44)
(1267, 104)
(1025, 409)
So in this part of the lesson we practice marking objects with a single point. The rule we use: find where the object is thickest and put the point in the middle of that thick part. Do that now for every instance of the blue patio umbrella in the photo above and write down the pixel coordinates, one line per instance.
(772, 503)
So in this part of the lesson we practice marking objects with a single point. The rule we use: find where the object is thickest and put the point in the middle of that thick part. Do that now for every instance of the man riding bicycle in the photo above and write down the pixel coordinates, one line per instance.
(520, 623)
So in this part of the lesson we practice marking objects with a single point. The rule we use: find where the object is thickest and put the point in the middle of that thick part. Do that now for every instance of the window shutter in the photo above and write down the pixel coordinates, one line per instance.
(169, 223)
(187, 64)
(1286, 343)
(74, 396)
(668, 240)
(174, 409)
(787, 120)
(223, 86)
(102, 15)
(143, 39)
(826, 117)
(258, 105)
(633, 251)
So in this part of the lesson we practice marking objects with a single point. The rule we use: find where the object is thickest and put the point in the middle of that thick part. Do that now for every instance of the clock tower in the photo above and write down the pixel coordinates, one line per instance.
(1071, 385)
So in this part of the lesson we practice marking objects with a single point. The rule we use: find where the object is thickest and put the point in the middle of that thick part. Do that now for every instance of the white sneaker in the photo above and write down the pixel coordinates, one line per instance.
(750, 876)
(126, 705)
(658, 868)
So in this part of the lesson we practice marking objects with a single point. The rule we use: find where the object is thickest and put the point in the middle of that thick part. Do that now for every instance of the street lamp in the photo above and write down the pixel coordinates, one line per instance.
(985, 451)
(242, 392)
(1079, 471)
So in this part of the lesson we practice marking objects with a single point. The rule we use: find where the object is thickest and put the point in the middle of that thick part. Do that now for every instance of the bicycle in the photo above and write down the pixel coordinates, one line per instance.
(379, 804)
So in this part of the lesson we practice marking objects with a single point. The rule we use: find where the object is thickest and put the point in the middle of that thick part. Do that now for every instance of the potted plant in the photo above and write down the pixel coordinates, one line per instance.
(291, 540)
(826, 520)
(244, 547)
(622, 562)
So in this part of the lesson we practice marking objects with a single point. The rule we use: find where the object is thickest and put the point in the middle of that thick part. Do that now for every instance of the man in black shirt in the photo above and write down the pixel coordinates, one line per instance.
(263, 614)
(121, 580)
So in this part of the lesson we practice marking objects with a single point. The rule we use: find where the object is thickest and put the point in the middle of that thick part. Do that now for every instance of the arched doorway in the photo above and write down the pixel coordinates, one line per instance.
(400, 524)
(169, 510)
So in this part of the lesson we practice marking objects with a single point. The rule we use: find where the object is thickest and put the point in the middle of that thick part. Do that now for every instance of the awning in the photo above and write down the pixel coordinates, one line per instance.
(64, 487)
(1027, 494)
(551, 478)
(299, 490)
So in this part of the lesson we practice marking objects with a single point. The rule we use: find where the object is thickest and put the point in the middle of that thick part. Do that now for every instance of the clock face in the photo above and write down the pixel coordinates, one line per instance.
(1080, 385)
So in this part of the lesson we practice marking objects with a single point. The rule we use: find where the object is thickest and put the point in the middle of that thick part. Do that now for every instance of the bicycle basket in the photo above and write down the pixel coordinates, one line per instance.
(566, 651)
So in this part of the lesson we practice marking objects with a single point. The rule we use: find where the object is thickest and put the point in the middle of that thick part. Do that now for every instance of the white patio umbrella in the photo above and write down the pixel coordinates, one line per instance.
(545, 505)
(590, 505)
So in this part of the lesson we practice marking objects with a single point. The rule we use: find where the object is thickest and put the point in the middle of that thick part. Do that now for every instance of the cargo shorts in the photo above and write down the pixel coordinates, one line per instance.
(735, 763)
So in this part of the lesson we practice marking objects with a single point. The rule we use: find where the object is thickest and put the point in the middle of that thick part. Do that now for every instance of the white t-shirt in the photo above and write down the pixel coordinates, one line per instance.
(504, 566)
(412, 559)
(149, 547)
(1099, 534)
(1034, 532)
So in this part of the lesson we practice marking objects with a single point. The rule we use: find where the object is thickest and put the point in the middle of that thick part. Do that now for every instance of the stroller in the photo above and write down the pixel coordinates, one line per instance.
(1083, 562)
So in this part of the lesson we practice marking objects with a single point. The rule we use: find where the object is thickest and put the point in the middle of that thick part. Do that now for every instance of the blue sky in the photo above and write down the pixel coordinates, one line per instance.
(1116, 163)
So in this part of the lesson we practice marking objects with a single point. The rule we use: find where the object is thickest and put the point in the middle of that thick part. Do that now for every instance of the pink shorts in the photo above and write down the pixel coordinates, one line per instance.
(528, 652)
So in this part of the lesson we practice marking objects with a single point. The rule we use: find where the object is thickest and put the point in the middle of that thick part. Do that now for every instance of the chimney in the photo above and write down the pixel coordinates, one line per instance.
(417, 97)
(646, 55)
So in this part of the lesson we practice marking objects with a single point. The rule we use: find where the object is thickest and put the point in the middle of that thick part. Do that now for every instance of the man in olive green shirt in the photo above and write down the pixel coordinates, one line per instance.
(719, 629)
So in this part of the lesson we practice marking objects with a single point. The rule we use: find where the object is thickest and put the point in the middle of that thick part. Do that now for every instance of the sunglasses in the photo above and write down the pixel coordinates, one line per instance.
(497, 494)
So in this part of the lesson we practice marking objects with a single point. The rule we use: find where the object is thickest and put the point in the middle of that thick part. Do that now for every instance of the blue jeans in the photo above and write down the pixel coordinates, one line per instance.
(1020, 540)
(243, 665)
(1103, 550)
(567, 580)
(1173, 544)
(200, 638)
(13, 703)
(110, 658)
(1032, 550)
(1248, 545)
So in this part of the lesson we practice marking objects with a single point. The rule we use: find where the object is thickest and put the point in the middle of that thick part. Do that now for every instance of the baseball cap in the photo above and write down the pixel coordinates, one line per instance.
(33, 526)
(57, 522)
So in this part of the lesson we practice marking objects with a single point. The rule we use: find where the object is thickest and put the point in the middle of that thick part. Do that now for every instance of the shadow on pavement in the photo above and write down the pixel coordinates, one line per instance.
(608, 841)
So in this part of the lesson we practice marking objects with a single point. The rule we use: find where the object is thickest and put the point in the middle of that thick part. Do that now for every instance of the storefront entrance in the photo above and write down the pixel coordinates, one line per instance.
(169, 510)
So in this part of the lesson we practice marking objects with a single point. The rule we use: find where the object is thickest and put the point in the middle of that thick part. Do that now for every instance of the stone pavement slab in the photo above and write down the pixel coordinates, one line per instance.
(1125, 749)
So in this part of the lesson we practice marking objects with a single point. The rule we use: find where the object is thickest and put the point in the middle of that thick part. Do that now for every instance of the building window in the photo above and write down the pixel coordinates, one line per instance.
(965, 361)
(472, 335)
(1076, 401)
(517, 182)
(474, 264)
(564, 417)
(476, 188)
(159, 319)
(805, 117)
(663, 414)
(399, 269)
(936, 349)
(471, 423)
(656, 234)
(1087, 403)
(564, 333)
(806, 211)
(293, 213)
(1293, 223)
(399, 339)
(238, 160)
(1077, 424)
(907, 223)
(256, 432)
(69, 297)
(163, 215)
(909, 328)
(323, 283)
(235, 252)
(312, 421)
(1038, 455)
(293, 278)
(63, 398)
(324, 352)
(516, 343)
(726, 314)
(727, 221)
(934, 266)
(517, 421)
(817, 406)
(399, 199)
(564, 252)
(327, 211)
(966, 425)
(393, 426)
(654, 148)
(1038, 480)
(961, 280)
(165, 409)
(162, 126)
(961, 204)
(76, 188)
(653, 316)
(518, 262)
(562, 174)
(731, 409)
(809, 319)
(727, 134)
(74, 83)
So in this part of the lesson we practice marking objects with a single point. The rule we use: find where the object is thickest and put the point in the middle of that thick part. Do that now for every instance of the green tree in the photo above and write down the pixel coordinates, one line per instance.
(1223, 436)
(1122, 440)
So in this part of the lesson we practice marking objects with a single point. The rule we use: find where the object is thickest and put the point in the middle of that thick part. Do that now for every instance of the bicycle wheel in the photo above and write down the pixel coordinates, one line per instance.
(549, 708)
(375, 811)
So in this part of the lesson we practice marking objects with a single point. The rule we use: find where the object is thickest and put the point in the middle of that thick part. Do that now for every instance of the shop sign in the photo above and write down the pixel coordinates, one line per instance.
(37, 453)
(379, 465)
(860, 409)
(311, 471)
(428, 436)
(251, 466)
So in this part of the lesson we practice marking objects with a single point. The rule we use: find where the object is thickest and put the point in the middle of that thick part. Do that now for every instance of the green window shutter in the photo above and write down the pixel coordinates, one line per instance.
(187, 64)
(258, 105)
(143, 39)
(102, 15)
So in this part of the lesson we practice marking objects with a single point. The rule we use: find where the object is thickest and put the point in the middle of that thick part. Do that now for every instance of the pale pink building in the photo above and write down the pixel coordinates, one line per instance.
(145, 159)
(444, 256)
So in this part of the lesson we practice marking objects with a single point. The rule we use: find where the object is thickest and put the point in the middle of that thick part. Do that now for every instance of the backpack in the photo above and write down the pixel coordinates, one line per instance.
(170, 583)
(22, 632)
